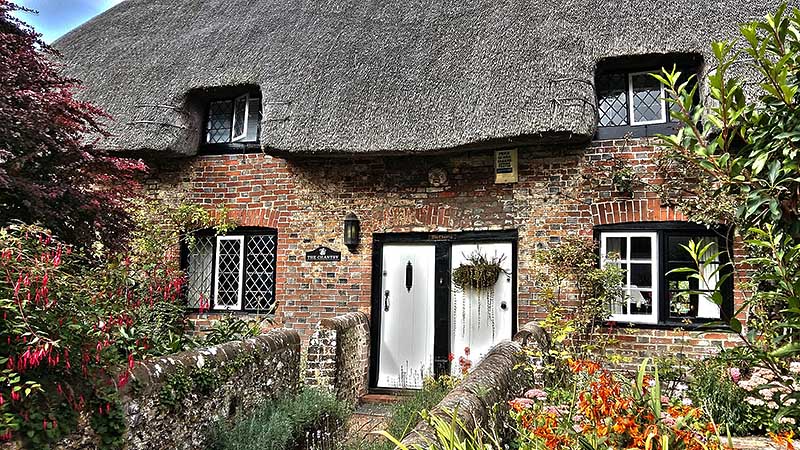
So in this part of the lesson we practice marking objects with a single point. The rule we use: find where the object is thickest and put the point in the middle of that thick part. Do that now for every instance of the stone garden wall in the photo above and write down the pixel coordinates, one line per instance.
(494, 380)
(219, 383)
(338, 356)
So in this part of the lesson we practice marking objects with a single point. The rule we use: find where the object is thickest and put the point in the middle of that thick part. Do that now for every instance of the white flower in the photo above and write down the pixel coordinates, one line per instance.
(686, 402)
(754, 401)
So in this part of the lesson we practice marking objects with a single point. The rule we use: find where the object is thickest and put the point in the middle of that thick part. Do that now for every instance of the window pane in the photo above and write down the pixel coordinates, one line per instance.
(641, 248)
(239, 118)
(253, 120)
(616, 248)
(682, 304)
(641, 275)
(229, 271)
(619, 305)
(690, 297)
(219, 122)
(260, 274)
(612, 99)
(674, 250)
(199, 273)
(647, 105)
(641, 302)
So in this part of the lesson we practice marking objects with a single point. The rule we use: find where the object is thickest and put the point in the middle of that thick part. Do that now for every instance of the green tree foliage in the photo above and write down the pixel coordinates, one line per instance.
(744, 142)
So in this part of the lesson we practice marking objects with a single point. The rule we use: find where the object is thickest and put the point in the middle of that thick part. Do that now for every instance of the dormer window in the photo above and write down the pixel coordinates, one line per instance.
(630, 101)
(234, 120)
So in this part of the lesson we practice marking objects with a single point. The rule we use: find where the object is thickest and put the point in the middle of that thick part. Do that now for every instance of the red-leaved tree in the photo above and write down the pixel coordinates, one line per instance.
(49, 173)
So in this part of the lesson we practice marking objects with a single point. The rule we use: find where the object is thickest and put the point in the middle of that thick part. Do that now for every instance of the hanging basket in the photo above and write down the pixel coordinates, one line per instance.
(479, 272)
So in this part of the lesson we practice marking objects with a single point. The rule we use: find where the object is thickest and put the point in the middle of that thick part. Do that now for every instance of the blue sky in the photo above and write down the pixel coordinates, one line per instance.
(56, 17)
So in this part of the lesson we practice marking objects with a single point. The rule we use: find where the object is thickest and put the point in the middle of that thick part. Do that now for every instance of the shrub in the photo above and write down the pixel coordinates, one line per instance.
(287, 423)
(712, 388)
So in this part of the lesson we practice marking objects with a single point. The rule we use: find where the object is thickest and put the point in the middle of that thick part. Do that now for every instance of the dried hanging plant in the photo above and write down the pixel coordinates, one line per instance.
(479, 272)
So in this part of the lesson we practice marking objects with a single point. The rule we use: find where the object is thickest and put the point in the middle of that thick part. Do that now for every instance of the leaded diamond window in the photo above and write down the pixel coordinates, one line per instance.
(612, 99)
(647, 99)
(200, 270)
(233, 272)
(228, 280)
(234, 120)
(625, 99)
(260, 273)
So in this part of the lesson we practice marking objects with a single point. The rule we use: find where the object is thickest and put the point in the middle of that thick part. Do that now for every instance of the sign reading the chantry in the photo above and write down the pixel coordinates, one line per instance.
(505, 166)
(323, 254)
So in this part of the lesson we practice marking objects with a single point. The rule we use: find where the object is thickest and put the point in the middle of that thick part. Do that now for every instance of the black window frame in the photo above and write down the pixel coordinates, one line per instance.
(239, 231)
(663, 230)
(687, 63)
(224, 148)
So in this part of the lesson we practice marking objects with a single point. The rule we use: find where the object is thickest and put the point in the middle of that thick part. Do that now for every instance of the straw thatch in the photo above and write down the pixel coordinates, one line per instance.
(376, 75)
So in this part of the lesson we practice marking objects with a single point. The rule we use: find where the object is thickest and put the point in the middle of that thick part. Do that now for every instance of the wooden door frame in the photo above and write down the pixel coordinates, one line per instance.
(442, 270)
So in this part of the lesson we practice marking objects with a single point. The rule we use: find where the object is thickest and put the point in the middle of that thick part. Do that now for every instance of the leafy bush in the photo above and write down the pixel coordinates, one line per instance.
(572, 267)
(231, 328)
(712, 388)
(740, 164)
(74, 324)
(284, 423)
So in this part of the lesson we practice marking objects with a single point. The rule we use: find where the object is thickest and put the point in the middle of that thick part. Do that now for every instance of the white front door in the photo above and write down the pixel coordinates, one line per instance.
(481, 318)
(407, 315)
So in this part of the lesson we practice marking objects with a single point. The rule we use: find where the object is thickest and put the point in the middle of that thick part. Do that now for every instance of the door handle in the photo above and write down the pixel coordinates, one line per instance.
(386, 300)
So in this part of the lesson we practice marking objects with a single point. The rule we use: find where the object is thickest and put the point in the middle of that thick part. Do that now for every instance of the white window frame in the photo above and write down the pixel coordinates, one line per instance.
(246, 117)
(238, 305)
(631, 116)
(652, 318)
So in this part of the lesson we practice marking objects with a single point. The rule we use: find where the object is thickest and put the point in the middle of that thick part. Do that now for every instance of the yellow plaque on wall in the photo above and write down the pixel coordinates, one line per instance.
(505, 166)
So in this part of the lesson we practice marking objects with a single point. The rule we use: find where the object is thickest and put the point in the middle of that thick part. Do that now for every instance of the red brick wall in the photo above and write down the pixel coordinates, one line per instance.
(560, 190)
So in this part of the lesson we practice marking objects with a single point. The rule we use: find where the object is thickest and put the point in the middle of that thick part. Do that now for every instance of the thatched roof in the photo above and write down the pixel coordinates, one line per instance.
(377, 75)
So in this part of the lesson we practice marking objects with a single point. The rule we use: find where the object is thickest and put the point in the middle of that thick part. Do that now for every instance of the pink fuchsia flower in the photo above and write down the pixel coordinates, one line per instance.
(537, 394)
(735, 374)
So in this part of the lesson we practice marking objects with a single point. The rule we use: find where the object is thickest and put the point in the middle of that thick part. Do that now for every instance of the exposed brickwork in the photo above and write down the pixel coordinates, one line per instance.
(338, 356)
(561, 190)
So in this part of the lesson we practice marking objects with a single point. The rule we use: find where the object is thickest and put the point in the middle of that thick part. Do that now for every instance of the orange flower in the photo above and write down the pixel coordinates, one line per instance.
(785, 438)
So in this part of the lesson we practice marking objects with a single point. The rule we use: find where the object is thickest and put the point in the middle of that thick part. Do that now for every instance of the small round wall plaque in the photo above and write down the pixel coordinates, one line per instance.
(437, 177)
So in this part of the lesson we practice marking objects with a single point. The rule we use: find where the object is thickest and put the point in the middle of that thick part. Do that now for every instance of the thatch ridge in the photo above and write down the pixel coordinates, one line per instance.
(376, 75)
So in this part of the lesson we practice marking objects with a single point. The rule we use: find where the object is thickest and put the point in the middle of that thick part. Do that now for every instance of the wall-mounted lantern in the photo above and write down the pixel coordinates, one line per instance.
(352, 231)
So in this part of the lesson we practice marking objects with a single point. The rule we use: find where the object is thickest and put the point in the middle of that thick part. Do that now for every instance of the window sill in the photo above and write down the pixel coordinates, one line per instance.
(694, 326)
(230, 312)
(635, 131)
(231, 148)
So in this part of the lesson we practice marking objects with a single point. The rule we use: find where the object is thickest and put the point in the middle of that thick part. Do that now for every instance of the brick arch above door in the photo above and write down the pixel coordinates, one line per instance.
(638, 210)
